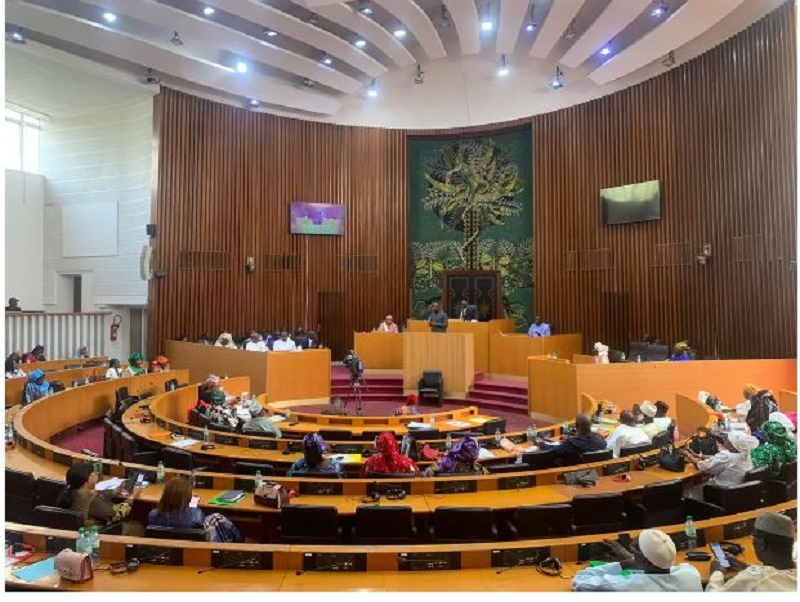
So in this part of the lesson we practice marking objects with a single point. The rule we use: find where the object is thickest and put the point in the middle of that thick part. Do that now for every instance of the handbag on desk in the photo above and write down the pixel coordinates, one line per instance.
(272, 494)
(584, 478)
(671, 459)
(72, 566)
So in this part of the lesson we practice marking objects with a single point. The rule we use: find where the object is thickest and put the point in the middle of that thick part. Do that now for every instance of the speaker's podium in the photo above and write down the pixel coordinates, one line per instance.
(450, 353)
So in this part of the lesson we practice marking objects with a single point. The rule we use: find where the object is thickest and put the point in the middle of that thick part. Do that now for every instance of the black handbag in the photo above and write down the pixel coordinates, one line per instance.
(671, 459)
(583, 478)
(703, 442)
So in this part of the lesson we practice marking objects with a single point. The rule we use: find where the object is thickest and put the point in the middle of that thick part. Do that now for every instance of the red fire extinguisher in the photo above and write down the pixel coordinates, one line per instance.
(115, 322)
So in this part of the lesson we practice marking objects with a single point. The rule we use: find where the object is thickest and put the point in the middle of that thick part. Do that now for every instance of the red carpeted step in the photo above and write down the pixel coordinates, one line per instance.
(504, 387)
(496, 396)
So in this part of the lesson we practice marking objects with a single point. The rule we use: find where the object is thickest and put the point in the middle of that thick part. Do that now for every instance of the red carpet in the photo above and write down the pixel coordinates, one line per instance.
(90, 437)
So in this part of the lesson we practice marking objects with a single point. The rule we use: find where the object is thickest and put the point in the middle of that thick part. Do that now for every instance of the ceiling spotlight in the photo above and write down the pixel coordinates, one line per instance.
(208, 11)
(309, 83)
(660, 10)
(270, 33)
(327, 60)
(558, 80)
(530, 27)
(109, 17)
(254, 104)
(503, 69)
(419, 78)
(361, 43)
(399, 33)
(176, 39)
(372, 91)
(365, 8)
(669, 59)
(487, 25)
(16, 36)
(241, 67)
(444, 20)
(572, 30)
(313, 19)
(605, 51)
(151, 77)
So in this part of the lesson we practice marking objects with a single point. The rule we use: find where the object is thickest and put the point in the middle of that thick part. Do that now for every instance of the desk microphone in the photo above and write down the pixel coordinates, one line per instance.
(336, 566)
(239, 564)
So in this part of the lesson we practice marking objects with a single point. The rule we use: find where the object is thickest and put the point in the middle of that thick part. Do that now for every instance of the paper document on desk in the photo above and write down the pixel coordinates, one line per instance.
(112, 483)
(418, 425)
(485, 453)
(184, 443)
(38, 570)
(348, 458)
(277, 418)
(458, 424)
(478, 420)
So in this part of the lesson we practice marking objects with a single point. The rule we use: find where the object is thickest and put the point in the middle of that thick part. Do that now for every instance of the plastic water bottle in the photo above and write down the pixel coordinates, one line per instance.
(727, 422)
(533, 433)
(565, 429)
(638, 358)
(193, 477)
(448, 444)
(95, 546)
(82, 545)
(691, 532)
(206, 435)
(622, 356)
(431, 420)
(498, 437)
(161, 474)
(258, 478)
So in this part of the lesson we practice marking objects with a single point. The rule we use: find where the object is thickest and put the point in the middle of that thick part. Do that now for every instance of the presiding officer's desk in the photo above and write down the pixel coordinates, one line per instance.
(381, 568)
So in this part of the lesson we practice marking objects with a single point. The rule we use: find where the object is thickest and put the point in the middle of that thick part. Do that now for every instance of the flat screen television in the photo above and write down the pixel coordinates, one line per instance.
(631, 203)
(317, 218)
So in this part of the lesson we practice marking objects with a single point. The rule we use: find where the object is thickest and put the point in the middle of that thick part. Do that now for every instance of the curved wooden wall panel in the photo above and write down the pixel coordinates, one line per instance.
(719, 132)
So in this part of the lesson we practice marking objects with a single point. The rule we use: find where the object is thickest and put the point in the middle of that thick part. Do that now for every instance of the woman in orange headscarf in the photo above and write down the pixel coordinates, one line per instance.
(388, 460)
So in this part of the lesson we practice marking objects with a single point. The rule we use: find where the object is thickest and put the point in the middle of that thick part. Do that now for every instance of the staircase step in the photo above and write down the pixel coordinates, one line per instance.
(501, 405)
(506, 387)
(497, 396)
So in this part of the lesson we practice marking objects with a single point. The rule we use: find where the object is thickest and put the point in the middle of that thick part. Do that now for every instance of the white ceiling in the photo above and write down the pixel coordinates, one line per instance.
(74, 58)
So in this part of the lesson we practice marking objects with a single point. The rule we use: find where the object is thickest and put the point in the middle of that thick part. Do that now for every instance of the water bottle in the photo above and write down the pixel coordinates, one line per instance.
(206, 435)
(448, 444)
(258, 478)
(430, 420)
(565, 429)
(691, 532)
(288, 414)
(161, 474)
(193, 477)
(95, 541)
(638, 358)
(82, 545)
(498, 437)
(622, 356)
(727, 422)
(534, 432)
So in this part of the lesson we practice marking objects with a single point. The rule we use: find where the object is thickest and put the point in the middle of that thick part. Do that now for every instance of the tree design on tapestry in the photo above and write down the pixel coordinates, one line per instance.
(471, 186)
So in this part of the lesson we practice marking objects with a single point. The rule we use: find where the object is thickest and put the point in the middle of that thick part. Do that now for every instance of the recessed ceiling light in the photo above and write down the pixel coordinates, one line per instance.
(605, 51)
(487, 25)
(241, 67)
(558, 80)
(17, 37)
(365, 8)
(254, 104)
(109, 17)
(503, 69)
(270, 33)
(327, 60)
(372, 91)
(176, 39)
(361, 43)
(208, 11)
(530, 27)
(659, 10)
(400, 33)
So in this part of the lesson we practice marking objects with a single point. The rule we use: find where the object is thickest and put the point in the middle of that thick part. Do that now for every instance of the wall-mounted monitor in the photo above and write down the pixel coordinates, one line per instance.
(317, 218)
(631, 203)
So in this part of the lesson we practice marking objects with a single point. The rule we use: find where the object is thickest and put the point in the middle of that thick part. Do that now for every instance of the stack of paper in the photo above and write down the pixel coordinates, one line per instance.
(184, 443)
(109, 484)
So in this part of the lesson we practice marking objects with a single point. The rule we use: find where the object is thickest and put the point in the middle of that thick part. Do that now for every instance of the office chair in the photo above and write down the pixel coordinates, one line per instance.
(598, 513)
(541, 522)
(384, 525)
(157, 532)
(431, 388)
(20, 496)
(305, 524)
(462, 525)
(661, 504)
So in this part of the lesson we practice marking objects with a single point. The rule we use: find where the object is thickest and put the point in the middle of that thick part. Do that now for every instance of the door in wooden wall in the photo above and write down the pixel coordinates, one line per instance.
(331, 324)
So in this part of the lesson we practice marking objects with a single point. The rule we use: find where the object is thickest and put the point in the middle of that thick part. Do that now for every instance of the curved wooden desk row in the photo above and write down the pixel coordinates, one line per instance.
(65, 364)
(477, 564)
(15, 386)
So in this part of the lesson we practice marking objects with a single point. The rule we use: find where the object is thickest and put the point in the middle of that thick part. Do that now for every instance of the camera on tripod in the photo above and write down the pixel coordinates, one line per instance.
(356, 366)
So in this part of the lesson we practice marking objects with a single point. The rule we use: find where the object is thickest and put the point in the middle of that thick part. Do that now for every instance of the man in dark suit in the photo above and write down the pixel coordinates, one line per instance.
(468, 312)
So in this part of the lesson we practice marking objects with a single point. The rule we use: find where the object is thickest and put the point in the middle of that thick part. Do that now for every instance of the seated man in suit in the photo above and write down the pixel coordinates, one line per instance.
(468, 312)
(539, 328)
(570, 449)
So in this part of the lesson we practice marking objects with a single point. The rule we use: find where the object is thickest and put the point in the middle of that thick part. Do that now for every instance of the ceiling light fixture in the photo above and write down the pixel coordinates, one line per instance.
(270, 33)
(399, 32)
(531, 25)
(254, 104)
(605, 51)
(309, 83)
(572, 30)
(360, 43)
(660, 10)
(372, 91)
(16, 36)
(444, 20)
(313, 19)
(109, 17)
(503, 69)
(208, 11)
(151, 77)
(487, 25)
(669, 59)
(419, 78)
(327, 60)
(176, 39)
(365, 8)
(241, 67)
(558, 81)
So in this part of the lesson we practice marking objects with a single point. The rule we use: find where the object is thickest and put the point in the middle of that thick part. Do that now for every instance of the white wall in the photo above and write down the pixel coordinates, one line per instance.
(24, 238)
(94, 157)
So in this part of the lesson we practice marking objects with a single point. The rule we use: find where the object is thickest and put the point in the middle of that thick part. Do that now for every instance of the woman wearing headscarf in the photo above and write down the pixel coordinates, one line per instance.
(35, 355)
(97, 508)
(136, 365)
(225, 340)
(681, 352)
(762, 404)
(12, 366)
(81, 352)
(114, 370)
(214, 395)
(388, 460)
(779, 449)
(729, 465)
(462, 458)
(313, 459)
(160, 364)
(36, 387)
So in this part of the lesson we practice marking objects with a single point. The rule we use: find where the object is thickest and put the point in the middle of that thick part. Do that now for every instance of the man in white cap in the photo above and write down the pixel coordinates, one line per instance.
(259, 423)
(652, 426)
(648, 568)
(728, 466)
(773, 541)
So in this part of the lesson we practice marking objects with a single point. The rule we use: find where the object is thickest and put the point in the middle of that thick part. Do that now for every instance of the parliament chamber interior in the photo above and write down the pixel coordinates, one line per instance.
(400, 295)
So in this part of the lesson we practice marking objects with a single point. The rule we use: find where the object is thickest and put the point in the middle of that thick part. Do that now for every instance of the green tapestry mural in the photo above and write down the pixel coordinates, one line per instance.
(471, 208)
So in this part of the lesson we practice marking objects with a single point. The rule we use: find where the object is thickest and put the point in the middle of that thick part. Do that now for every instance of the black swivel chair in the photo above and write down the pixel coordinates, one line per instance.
(490, 426)
(757, 474)
(57, 386)
(724, 501)
(20, 496)
(335, 435)
(179, 459)
(67, 520)
(48, 491)
(372, 435)
(635, 450)
(661, 439)
(175, 533)
(304, 524)
(539, 460)
(431, 388)
(384, 525)
(109, 449)
(601, 455)
(661, 504)
(463, 525)
(250, 468)
(506, 468)
(784, 487)
(598, 513)
(425, 434)
(538, 522)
